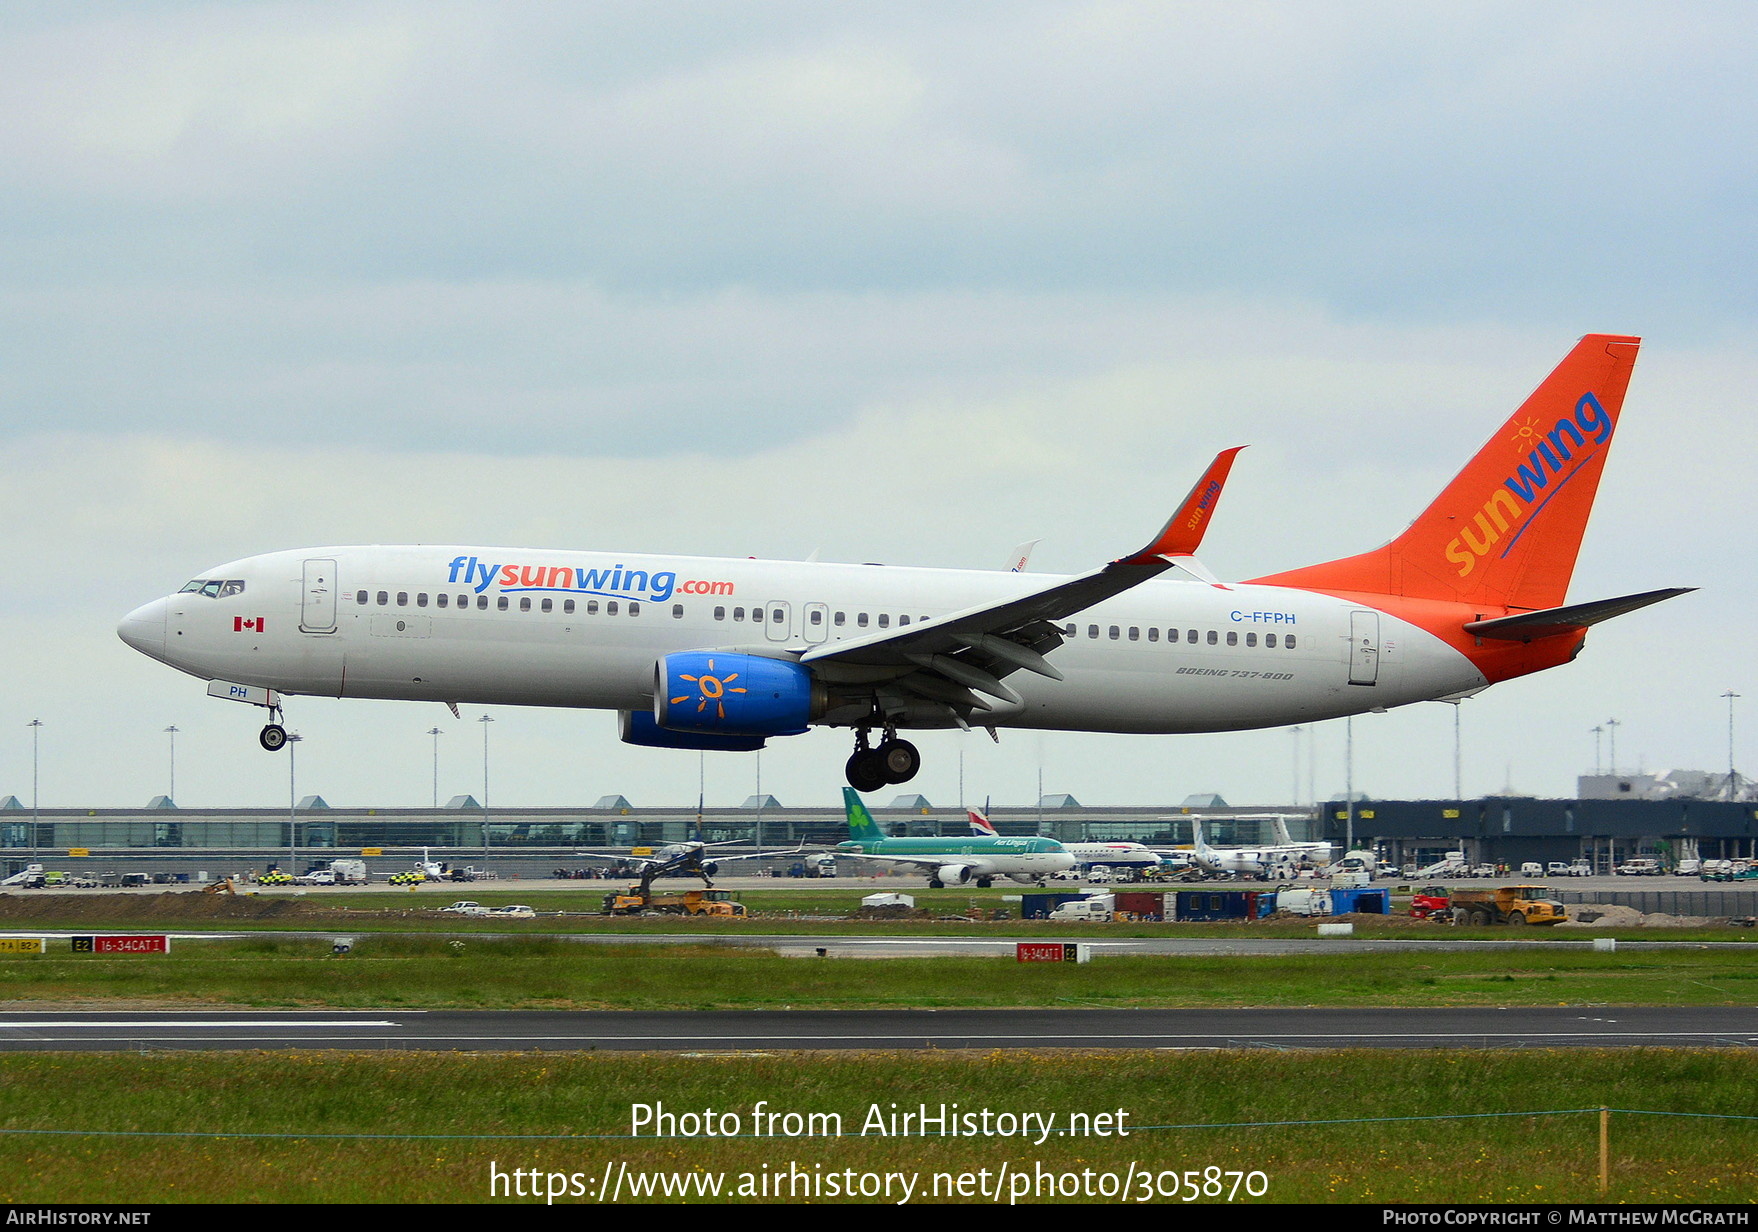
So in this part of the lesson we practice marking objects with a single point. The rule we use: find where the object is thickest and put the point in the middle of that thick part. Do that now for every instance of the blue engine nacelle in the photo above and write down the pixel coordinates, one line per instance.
(734, 695)
(639, 728)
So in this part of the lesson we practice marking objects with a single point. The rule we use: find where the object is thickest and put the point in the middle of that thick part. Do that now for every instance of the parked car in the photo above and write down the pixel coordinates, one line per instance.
(1640, 866)
(466, 908)
(514, 911)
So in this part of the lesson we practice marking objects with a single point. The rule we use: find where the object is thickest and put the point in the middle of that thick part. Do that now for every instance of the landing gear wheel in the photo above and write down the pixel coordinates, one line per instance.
(866, 770)
(901, 760)
(273, 737)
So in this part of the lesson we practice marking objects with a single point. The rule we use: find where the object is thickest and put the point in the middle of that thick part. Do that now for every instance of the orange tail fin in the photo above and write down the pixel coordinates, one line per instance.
(1506, 531)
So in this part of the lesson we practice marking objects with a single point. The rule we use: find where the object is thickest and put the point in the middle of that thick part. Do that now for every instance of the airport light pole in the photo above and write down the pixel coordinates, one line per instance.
(701, 791)
(1598, 760)
(172, 732)
(1295, 732)
(1458, 761)
(36, 726)
(293, 740)
(1349, 784)
(485, 720)
(436, 733)
(1733, 780)
(1611, 725)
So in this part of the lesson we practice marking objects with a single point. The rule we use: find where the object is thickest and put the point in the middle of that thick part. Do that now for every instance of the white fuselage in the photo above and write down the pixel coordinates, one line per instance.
(580, 629)
(1114, 855)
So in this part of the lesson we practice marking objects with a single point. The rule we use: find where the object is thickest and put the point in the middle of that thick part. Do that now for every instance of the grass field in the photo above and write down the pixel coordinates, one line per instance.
(290, 1116)
(436, 973)
(292, 1127)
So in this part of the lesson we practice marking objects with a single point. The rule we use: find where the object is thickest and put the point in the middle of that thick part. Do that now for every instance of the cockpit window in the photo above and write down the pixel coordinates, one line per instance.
(213, 588)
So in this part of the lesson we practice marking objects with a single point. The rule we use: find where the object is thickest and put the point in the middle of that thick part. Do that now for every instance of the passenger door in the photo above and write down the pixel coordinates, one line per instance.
(317, 612)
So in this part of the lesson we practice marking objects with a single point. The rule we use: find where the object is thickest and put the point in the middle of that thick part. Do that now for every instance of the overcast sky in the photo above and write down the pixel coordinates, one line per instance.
(892, 282)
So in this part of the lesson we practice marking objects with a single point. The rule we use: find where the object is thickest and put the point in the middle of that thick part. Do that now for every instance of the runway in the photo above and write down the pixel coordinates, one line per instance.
(775, 1031)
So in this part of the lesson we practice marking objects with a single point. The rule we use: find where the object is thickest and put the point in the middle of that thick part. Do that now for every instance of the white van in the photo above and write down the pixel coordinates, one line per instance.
(1097, 909)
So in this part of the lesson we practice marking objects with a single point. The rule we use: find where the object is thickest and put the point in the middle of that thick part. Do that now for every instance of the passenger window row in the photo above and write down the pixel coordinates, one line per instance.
(503, 603)
(862, 620)
(1211, 637)
(777, 615)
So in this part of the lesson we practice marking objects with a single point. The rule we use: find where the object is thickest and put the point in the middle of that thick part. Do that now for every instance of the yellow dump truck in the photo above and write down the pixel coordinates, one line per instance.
(691, 902)
(1517, 905)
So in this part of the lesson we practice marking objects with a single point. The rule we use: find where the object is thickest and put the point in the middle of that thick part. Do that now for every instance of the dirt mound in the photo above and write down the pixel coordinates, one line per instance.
(32, 906)
(1614, 915)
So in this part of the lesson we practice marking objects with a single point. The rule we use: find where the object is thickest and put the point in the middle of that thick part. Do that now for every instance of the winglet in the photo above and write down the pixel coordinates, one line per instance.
(1183, 534)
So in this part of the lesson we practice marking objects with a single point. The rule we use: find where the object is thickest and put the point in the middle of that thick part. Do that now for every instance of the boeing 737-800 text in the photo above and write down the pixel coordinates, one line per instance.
(719, 654)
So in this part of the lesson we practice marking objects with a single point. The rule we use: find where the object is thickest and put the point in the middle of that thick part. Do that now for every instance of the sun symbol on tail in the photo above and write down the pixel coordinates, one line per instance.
(1527, 431)
(712, 689)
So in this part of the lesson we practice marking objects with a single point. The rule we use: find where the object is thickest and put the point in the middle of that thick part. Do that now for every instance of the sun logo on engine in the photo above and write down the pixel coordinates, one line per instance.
(712, 689)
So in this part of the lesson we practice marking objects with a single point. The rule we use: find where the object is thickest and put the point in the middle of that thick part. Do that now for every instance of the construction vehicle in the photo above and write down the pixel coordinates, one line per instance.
(1432, 902)
(639, 898)
(1517, 905)
(220, 887)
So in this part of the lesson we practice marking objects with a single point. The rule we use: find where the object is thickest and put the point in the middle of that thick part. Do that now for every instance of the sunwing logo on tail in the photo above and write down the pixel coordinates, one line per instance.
(1557, 455)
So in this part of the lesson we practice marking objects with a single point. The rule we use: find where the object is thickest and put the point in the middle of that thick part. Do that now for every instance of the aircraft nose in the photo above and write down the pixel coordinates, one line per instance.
(144, 628)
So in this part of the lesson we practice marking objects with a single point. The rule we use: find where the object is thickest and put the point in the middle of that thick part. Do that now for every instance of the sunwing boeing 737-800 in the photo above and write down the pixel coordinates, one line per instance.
(725, 654)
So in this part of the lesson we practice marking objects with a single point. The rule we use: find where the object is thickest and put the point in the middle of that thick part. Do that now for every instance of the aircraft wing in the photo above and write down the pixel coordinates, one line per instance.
(952, 659)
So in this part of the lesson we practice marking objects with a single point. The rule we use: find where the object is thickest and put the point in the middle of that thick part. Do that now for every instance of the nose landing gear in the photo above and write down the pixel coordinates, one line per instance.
(273, 736)
(893, 761)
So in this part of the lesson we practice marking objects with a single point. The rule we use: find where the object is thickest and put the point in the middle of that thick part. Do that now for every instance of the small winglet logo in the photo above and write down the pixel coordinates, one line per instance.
(1526, 435)
(712, 689)
(250, 624)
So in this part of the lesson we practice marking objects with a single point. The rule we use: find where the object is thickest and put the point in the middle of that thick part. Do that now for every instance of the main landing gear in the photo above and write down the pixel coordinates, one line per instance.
(893, 761)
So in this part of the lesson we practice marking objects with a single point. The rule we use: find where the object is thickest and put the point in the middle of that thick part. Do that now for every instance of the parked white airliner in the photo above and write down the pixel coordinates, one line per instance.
(704, 653)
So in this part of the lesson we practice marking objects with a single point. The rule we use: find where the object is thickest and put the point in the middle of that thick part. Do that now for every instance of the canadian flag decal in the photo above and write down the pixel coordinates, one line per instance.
(250, 624)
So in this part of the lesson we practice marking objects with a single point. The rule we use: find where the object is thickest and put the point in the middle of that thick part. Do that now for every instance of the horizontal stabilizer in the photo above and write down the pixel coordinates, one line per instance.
(1529, 625)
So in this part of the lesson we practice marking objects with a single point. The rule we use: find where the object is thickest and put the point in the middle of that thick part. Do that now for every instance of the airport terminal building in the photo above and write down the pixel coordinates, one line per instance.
(162, 838)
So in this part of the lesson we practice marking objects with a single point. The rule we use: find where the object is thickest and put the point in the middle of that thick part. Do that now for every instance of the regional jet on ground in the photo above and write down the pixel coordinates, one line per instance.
(1109, 855)
(951, 861)
(726, 654)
